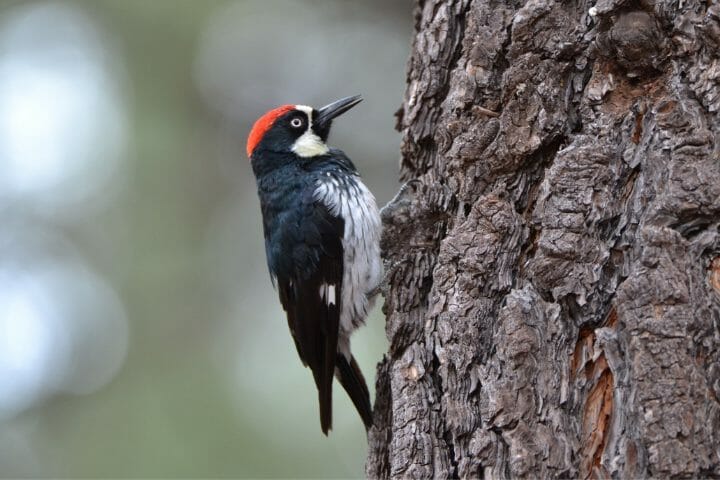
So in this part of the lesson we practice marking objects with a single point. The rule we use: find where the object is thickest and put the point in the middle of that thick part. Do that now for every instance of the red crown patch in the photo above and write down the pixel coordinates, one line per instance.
(263, 124)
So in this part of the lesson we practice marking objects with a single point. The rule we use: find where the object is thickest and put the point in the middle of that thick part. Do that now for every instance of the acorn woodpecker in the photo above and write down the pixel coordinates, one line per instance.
(322, 233)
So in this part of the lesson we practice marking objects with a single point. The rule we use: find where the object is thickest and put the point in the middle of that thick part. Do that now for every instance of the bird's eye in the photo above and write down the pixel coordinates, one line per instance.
(296, 123)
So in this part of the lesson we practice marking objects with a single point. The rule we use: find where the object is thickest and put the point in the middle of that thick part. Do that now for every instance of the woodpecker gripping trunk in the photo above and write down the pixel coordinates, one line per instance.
(322, 233)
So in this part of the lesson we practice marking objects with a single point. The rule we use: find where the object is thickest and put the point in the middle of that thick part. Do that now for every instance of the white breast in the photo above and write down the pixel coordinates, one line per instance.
(350, 199)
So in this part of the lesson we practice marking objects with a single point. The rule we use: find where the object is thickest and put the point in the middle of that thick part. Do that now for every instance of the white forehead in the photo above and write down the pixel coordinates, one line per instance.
(306, 109)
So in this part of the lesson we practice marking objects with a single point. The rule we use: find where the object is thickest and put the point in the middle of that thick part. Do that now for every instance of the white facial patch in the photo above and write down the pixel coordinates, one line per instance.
(309, 144)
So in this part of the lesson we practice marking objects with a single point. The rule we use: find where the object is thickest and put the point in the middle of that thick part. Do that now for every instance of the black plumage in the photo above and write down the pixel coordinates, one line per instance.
(305, 252)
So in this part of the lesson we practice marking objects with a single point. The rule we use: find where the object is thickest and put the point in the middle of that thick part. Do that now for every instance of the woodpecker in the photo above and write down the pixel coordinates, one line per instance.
(322, 242)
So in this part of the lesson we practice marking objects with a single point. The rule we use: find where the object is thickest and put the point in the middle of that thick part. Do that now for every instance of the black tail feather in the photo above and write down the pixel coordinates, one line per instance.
(326, 377)
(352, 380)
(315, 329)
(329, 356)
(325, 399)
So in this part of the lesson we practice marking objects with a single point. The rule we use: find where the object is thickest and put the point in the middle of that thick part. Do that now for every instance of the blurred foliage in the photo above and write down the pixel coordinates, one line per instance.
(211, 385)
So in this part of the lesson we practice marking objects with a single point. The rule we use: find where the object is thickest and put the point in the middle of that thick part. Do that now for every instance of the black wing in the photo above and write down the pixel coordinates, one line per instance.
(310, 291)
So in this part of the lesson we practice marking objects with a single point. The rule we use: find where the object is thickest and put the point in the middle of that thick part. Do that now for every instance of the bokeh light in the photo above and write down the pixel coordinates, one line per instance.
(60, 126)
(62, 328)
(140, 335)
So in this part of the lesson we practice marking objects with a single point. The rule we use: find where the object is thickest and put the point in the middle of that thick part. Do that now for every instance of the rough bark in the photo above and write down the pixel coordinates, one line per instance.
(553, 289)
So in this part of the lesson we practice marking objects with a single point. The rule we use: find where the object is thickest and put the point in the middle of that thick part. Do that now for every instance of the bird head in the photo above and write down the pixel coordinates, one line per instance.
(297, 129)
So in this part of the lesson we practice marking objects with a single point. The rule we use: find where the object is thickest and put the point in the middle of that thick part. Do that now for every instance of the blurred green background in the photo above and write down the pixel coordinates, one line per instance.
(139, 332)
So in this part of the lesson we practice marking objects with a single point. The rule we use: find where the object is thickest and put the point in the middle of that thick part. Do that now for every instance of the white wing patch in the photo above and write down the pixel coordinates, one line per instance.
(308, 144)
(327, 293)
(350, 199)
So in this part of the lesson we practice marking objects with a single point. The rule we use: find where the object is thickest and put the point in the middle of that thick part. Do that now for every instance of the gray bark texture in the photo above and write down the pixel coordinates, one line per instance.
(553, 259)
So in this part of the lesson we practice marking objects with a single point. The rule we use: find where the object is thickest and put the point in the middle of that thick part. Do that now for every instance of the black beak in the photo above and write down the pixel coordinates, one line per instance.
(336, 108)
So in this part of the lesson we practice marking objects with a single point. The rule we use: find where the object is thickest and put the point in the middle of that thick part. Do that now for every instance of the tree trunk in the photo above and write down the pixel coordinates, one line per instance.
(553, 261)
